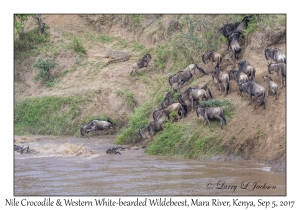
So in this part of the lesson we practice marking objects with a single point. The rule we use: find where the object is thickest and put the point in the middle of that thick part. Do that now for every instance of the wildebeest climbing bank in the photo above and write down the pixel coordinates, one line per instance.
(195, 86)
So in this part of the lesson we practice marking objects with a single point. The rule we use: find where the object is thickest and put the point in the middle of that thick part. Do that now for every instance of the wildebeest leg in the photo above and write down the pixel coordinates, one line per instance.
(256, 97)
(221, 121)
(220, 88)
(267, 91)
(250, 99)
(281, 81)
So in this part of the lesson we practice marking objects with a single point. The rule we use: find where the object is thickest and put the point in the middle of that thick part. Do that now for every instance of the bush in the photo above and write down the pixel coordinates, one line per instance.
(77, 46)
(44, 66)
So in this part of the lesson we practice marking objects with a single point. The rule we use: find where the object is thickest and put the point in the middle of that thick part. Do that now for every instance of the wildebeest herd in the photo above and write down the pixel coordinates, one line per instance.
(188, 99)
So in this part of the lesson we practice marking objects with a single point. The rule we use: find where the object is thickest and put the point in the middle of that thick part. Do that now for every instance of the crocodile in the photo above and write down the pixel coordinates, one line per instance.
(116, 56)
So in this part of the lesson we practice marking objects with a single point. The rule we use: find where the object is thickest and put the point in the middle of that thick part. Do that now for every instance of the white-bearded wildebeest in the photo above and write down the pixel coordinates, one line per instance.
(153, 127)
(211, 113)
(245, 67)
(271, 85)
(238, 76)
(192, 67)
(175, 107)
(280, 68)
(179, 79)
(212, 56)
(191, 95)
(143, 62)
(184, 76)
(235, 45)
(168, 100)
(21, 149)
(219, 77)
(230, 28)
(203, 86)
(243, 24)
(95, 125)
(254, 89)
(275, 54)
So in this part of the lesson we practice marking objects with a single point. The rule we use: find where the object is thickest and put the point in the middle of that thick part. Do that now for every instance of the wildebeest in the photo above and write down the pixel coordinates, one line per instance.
(184, 76)
(191, 95)
(153, 127)
(192, 67)
(95, 125)
(143, 62)
(243, 24)
(275, 54)
(245, 67)
(113, 150)
(21, 149)
(280, 68)
(235, 45)
(203, 86)
(212, 56)
(211, 113)
(167, 100)
(253, 89)
(271, 85)
(238, 76)
(179, 79)
(229, 28)
(175, 107)
(221, 77)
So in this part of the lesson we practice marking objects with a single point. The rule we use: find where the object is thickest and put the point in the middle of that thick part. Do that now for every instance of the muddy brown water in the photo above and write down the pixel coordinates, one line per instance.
(76, 166)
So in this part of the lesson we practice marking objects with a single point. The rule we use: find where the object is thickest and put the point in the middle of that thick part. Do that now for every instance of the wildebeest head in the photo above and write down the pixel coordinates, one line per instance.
(200, 110)
(143, 132)
(244, 87)
(247, 19)
(82, 131)
(147, 57)
(266, 78)
(242, 64)
(232, 74)
(270, 68)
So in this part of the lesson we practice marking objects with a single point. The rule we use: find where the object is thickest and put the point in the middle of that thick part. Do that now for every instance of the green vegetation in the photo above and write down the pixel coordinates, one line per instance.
(130, 135)
(44, 66)
(49, 115)
(62, 115)
(77, 46)
(128, 98)
(185, 139)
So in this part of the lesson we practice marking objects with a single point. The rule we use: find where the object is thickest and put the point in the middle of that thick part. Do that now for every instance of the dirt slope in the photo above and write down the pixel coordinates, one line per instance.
(253, 134)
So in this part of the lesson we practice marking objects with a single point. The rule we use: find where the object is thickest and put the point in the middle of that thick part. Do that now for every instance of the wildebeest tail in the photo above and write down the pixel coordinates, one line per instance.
(227, 86)
(253, 74)
(182, 110)
(262, 102)
(200, 69)
(108, 120)
(223, 116)
(209, 92)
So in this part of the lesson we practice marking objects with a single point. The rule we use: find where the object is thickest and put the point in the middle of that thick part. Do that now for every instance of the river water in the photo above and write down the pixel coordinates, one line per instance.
(68, 166)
